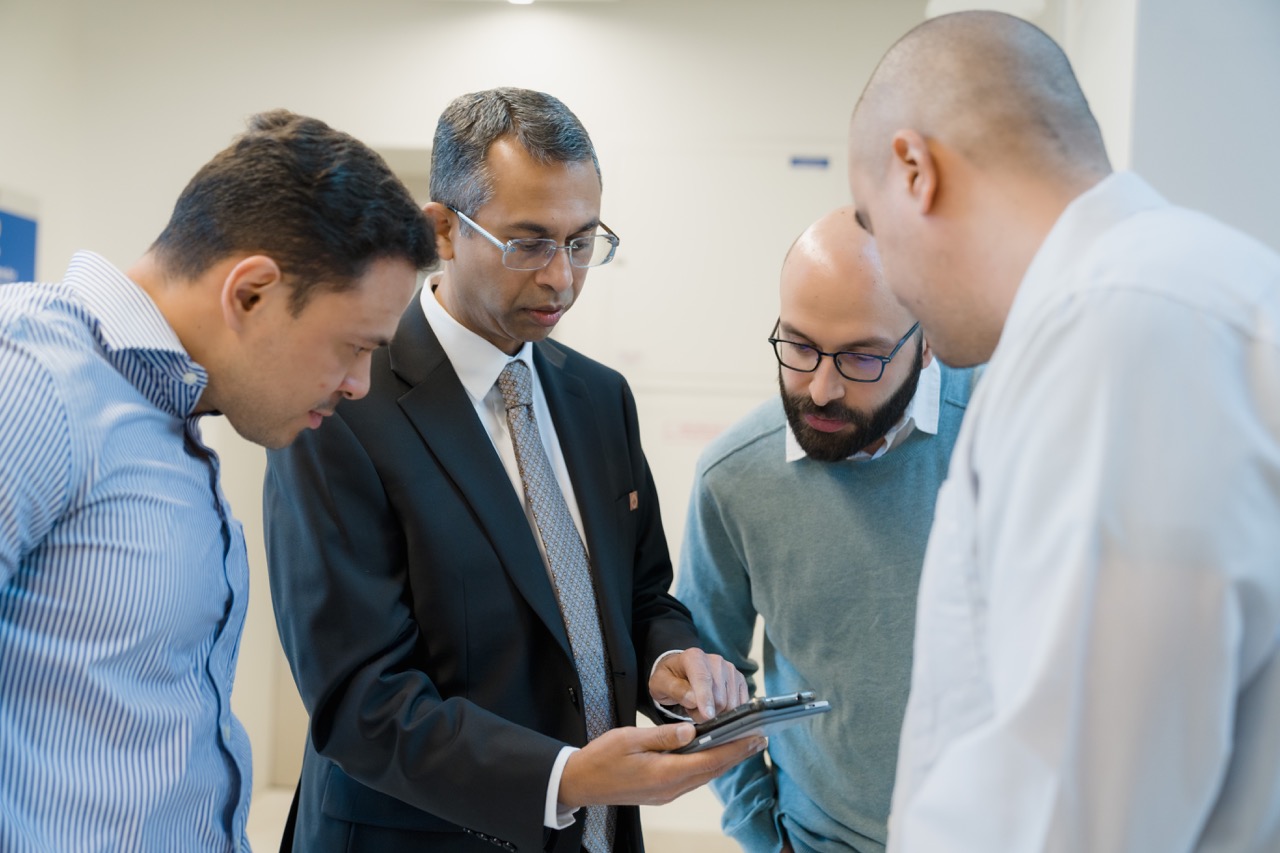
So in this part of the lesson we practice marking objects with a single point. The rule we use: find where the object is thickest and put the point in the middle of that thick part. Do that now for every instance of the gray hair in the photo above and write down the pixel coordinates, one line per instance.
(543, 126)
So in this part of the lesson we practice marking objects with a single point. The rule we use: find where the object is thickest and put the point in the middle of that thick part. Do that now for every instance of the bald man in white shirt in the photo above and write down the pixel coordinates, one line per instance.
(1097, 654)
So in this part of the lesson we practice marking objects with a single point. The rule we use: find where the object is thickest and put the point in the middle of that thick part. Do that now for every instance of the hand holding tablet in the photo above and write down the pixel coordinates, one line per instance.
(759, 716)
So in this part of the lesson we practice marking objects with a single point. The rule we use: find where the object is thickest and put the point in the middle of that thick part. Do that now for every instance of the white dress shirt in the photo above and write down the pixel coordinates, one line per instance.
(1097, 652)
(478, 363)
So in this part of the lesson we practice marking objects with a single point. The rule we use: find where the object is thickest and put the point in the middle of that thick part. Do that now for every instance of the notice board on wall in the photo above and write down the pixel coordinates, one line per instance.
(17, 243)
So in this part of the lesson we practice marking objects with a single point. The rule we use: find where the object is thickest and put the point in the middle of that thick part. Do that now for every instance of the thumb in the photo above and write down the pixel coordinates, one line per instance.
(667, 737)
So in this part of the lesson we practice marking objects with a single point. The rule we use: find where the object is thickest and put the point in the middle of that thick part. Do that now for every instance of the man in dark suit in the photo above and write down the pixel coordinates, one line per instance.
(468, 569)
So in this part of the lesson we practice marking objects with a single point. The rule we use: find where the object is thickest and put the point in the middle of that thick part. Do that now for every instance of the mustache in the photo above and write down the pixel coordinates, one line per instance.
(834, 411)
(329, 406)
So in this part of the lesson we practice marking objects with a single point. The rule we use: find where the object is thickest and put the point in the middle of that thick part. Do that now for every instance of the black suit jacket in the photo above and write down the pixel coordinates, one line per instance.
(418, 617)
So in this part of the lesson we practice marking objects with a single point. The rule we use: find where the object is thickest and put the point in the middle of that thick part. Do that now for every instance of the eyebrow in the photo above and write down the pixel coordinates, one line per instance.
(851, 346)
(543, 231)
(864, 221)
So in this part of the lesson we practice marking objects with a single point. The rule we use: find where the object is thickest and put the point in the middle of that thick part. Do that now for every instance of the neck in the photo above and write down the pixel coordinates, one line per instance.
(1014, 217)
(170, 296)
(184, 306)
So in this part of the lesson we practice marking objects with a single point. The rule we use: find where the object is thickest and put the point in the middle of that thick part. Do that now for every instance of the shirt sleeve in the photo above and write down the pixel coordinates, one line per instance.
(1126, 503)
(714, 585)
(35, 457)
(553, 815)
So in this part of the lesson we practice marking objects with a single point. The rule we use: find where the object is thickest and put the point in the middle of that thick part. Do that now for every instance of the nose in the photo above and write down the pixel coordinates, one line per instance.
(356, 383)
(558, 275)
(827, 384)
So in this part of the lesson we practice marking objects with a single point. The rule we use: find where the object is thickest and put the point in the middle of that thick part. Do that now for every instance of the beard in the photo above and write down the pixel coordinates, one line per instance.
(868, 427)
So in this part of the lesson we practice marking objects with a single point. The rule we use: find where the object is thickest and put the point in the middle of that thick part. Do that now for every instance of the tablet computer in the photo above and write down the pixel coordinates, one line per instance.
(761, 715)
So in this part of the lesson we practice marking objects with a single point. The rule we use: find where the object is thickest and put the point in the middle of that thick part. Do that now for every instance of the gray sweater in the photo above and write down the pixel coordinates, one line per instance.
(829, 554)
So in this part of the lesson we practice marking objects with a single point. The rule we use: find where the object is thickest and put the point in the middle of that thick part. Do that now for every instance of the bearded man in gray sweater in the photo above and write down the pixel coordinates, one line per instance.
(812, 513)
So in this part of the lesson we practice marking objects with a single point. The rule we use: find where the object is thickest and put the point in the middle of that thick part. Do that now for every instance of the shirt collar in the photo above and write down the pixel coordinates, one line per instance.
(135, 337)
(126, 316)
(476, 361)
(921, 414)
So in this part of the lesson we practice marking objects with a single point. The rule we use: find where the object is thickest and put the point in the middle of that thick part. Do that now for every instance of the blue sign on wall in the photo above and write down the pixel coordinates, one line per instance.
(17, 247)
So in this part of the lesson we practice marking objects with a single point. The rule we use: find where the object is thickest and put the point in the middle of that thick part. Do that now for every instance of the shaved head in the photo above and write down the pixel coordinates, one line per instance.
(969, 141)
(833, 265)
(995, 88)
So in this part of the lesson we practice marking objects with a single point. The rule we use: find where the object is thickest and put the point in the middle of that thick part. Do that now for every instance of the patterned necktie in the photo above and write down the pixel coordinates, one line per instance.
(570, 575)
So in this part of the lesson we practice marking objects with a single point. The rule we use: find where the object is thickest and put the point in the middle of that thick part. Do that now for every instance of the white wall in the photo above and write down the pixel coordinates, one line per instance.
(39, 138)
(1206, 112)
(1098, 37)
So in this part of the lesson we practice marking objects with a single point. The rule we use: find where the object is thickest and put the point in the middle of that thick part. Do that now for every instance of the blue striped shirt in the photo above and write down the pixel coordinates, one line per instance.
(123, 582)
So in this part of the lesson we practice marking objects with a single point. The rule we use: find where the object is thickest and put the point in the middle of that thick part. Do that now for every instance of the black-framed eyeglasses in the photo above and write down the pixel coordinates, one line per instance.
(854, 366)
(534, 253)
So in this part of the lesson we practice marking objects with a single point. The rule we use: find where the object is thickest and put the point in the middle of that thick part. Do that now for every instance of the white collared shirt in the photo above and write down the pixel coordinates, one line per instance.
(1097, 649)
(921, 414)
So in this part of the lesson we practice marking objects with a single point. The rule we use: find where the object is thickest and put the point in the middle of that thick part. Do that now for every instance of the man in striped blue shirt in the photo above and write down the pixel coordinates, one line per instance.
(123, 575)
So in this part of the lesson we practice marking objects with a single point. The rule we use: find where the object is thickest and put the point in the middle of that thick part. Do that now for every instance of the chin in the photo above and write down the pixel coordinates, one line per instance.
(538, 333)
(271, 439)
(279, 442)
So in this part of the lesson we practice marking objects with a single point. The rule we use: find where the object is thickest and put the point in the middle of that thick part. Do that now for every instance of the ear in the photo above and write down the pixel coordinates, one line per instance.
(914, 166)
(442, 222)
(248, 283)
(926, 354)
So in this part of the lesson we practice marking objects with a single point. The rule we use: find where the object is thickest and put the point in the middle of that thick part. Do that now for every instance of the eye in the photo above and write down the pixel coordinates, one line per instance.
(858, 359)
(529, 248)
(856, 365)
(799, 356)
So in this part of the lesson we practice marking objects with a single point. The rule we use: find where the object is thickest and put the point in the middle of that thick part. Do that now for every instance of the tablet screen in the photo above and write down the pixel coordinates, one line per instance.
(759, 716)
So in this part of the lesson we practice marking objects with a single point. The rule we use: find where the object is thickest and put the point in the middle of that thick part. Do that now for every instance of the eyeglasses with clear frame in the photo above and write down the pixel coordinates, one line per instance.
(535, 253)
(854, 366)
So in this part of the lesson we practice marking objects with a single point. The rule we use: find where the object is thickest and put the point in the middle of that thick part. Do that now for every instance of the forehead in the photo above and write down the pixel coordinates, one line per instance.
(525, 189)
(838, 300)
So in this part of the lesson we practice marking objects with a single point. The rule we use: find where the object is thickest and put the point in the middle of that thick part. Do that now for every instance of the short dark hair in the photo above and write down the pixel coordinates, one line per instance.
(319, 202)
(543, 126)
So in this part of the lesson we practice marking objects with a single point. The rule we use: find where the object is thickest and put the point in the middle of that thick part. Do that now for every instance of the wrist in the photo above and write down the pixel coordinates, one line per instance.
(570, 797)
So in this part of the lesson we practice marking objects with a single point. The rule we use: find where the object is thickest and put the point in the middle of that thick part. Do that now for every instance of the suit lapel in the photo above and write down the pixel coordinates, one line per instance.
(442, 413)
(577, 427)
